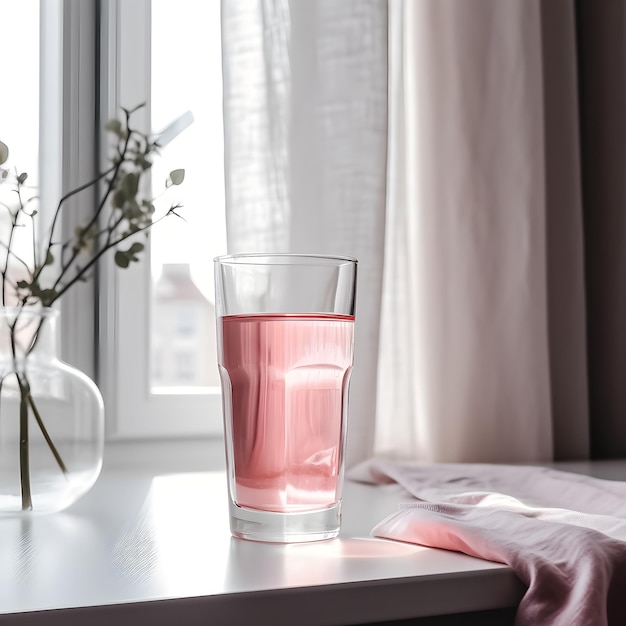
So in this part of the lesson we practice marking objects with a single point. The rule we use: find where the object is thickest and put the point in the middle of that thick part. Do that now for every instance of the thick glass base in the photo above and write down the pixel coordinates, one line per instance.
(276, 527)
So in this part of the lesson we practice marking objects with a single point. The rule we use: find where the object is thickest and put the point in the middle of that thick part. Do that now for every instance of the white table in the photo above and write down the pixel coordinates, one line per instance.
(150, 544)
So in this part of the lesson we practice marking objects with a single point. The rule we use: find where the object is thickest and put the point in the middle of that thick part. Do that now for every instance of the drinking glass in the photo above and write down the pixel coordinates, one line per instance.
(285, 343)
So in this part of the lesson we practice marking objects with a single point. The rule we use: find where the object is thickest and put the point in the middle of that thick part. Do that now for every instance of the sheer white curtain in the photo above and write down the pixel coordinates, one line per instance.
(305, 114)
(453, 358)
(465, 271)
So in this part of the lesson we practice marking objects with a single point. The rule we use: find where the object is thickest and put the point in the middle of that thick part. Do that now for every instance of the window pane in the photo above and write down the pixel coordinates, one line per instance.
(186, 77)
(19, 105)
(19, 119)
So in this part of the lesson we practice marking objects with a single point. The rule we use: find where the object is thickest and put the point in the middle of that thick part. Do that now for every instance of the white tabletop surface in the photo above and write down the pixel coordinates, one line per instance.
(151, 543)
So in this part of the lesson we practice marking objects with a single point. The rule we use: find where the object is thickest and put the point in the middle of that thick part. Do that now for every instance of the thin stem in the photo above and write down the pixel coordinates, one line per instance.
(35, 338)
(115, 169)
(103, 251)
(48, 250)
(45, 433)
(14, 220)
(112, 229)
(12, 254)
(71, 193)
(27, 500)
(34, 242)
(26, 401)
(8, 256)
(86, 185)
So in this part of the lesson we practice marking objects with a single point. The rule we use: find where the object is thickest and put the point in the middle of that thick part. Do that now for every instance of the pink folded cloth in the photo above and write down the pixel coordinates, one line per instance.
(563, 534)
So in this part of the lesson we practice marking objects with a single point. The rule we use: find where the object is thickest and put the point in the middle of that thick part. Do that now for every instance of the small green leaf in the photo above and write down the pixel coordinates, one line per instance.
(132, 213)
(47, 296)
(136, 247)
(114, 126)
(4, 152)
(143, 163)
(122, 259)
(21, 179)
(130, 185)
(148, 206)
(177, 176)
(119, 198)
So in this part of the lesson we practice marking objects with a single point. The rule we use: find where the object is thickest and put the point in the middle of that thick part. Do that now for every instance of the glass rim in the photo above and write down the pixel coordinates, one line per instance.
(257, 258)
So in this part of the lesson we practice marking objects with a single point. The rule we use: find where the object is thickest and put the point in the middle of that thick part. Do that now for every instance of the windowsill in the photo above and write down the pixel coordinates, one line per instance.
(150, 543)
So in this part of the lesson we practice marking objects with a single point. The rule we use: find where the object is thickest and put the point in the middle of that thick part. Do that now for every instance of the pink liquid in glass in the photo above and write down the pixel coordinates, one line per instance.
(288, 376)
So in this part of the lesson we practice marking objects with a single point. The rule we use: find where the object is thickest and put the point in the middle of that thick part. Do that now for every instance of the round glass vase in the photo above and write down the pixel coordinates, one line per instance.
(51, 418)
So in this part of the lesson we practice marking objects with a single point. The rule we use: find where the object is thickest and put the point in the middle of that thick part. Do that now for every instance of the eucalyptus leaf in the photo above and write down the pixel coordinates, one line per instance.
(132, 210)
(177, 176)
(122, 259)
(136, 247)
(114, 126)
(148, 206)
(119, 198)
(21, 179)
(4, 152)
(130, 185)
(47, 296)
(143, 163)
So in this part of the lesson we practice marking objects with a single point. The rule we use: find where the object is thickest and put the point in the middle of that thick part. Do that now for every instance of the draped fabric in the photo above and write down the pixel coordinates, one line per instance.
(469, 231)
(485, 235)
(471, 154)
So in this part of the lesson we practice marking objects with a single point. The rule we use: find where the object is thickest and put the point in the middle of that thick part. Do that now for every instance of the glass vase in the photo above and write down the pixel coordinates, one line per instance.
(51, 418)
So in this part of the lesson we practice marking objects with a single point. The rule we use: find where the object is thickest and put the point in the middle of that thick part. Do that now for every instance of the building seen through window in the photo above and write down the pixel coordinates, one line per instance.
(183, 336)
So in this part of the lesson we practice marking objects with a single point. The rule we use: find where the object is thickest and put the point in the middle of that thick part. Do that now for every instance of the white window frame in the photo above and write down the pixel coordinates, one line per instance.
(68, 150)
(79, 146)
(124, 317)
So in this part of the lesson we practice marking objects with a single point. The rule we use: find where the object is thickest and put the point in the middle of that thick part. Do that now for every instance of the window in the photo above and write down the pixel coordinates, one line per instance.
(46, 119)
(187, 324)
(157, 319)
(185, 366)
(19, 116)
(181, 86)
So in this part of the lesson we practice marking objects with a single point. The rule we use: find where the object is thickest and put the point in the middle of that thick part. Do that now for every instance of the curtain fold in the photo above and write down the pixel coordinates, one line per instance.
(472, 232)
